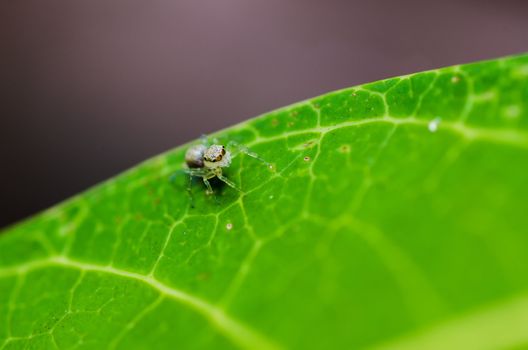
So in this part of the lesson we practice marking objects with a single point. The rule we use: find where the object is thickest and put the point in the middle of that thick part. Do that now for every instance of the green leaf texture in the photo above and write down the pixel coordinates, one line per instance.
(394, 216)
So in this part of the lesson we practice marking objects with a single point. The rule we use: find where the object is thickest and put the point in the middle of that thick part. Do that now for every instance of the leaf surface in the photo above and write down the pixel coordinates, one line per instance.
(393, 217)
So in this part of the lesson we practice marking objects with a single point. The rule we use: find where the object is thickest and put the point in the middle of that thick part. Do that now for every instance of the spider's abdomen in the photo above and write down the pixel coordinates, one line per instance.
(194, 157)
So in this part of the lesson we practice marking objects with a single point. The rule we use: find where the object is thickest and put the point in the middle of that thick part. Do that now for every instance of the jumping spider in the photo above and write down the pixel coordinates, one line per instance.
(207, 161)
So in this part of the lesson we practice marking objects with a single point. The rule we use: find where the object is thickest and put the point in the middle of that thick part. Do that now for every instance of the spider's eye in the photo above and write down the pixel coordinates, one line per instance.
(214, 159)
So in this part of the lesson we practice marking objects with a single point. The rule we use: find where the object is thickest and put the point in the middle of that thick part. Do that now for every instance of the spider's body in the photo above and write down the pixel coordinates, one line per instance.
(207, 161)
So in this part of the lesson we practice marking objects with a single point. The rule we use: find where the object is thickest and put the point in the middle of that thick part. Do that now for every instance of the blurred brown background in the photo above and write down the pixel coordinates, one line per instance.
(90, 88)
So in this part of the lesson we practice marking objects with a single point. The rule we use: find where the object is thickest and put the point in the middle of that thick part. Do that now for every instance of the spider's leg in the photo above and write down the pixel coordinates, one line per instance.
(175, 174)
(210, 189)
(189, 190)
(228, 182)
(190, 173)
(198, 173)
(238, 148)
(204, 140)
(208, 185)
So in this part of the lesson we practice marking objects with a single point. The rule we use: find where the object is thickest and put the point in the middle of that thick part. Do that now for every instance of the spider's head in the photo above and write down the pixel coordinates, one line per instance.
(216, 156)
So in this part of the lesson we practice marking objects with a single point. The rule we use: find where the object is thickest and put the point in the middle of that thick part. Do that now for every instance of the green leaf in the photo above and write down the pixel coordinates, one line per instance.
(394, 216)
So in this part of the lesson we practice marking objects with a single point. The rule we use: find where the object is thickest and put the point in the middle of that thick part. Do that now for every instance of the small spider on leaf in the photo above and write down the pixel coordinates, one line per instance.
(207, 161)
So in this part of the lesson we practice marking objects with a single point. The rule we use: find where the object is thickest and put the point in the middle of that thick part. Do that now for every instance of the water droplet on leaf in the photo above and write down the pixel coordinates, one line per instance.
(433, 124)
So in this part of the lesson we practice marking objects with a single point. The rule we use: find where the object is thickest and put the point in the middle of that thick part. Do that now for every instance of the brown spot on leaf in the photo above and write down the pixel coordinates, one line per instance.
(344, 149)
(308, 144)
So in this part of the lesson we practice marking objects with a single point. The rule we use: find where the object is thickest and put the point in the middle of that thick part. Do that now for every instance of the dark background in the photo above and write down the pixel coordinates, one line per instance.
(90, 88)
